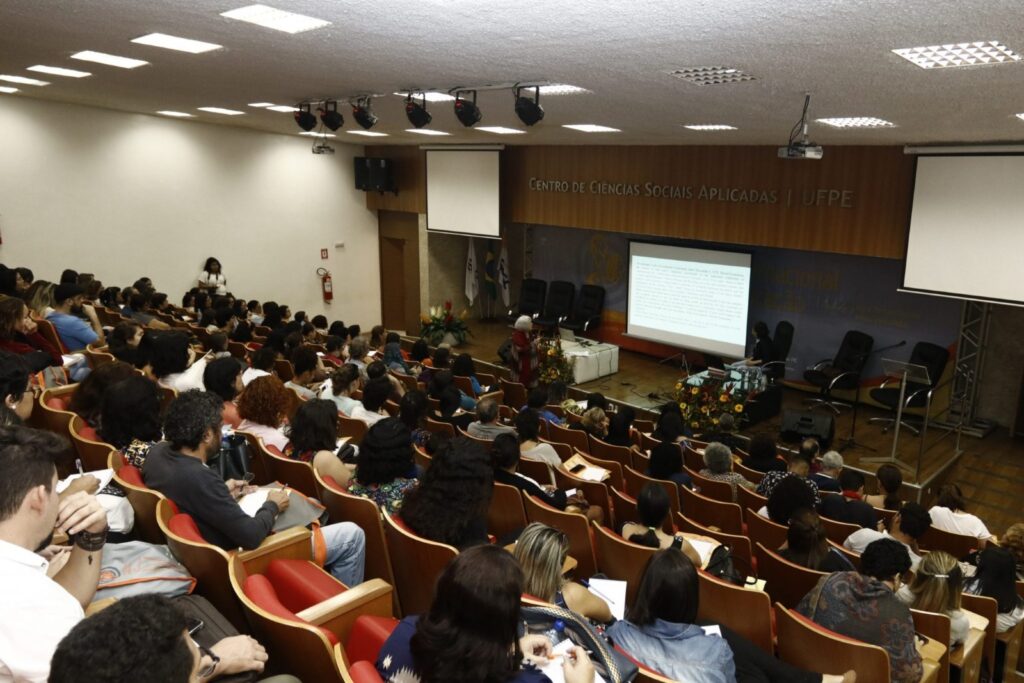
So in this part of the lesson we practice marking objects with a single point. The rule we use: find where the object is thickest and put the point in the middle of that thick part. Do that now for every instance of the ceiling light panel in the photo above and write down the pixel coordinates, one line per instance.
(959, 54)
(367, 133)
(175, 114)
(500, 130)
(261, 105)
(1020, 116)
(8, 91)
(591, 128)
(221, 110)
(109, 60)
(711, 75)
(175, 43)
(560, 89)
(58, 71)
(282, 108)
(314, 134)
(276, 19)
(425, 131)
(21, 80)
(857, 122)
(709, 126)
(431, 96)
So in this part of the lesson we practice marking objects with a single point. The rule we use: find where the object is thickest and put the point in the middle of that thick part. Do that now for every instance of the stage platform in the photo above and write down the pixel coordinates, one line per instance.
(990, 470)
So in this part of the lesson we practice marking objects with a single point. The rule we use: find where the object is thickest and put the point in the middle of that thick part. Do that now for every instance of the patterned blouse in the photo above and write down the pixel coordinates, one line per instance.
(388, 496)
(733, 479)
(135, 453)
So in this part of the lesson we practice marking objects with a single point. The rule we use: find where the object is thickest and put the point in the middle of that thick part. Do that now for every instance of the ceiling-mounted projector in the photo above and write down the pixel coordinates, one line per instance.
(801, 148)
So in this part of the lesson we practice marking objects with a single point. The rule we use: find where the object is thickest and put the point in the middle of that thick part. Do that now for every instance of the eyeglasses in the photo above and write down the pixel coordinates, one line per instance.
(207, 671)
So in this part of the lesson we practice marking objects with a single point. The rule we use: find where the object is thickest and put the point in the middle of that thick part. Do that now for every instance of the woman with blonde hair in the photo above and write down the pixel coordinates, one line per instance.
(39, 297)
(594, 422)
(937, 587)
(1013, 540)
(541, 552)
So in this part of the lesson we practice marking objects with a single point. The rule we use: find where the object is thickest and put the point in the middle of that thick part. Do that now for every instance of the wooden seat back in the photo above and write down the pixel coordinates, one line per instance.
(988, 608)
(415, 563)
(354, 429)
(711, 513)
(606, 451)
(742, 551)
(93, 454)
(575, 527)
(435, 427)
(625, 508)
(295, 473)
(514, 393)
(577, 438)
(749, 474)
(957, 545)
(787, 583)
(621, 560)
(748, 613)
(803, 643)
(748, 498)
(763, 530)
(710, 488)
(635, 482)
(506, 514)
(595, 492)
(52, 419)
(143, 501)
(837, 531)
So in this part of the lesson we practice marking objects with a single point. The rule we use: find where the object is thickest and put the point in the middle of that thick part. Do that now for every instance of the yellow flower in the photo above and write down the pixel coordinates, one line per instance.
(679, 385)
(695, 424)
(738, 408)
(714, 420)
(695, 391)
(723, 398)
(551, 352)
(704, 410)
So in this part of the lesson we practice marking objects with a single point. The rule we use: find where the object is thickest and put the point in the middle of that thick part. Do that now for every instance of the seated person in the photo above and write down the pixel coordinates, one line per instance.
(1013, 540)
(530, 446)
(420, 352)
(849, 507)
(670, 426)
(654, 507)
(718, 467)
(313, 438)
(450, 504)
(995, 579)
(620, 427)
(16, 386)
(393, 358)
(807, 545)
(463, 366)
(863, 605)
(333, 347)
(537, 400)
(725, 433)
(890, 479)
(441, 360)
(172, 361)
(936, 587)
(305, 364)
(594, 422)
(412, 410)
(340, 386)
(788, 496)
(262, 365)
(87, 400)
(263, 407)
(828, 478)
(950, 514)
(471, 631)
(131, 418)
(224, 378)
(763, 455)
(450, 409)
(541, 552)
(486, 425)
(242, 332)
(19, 335)
(440, 380)
(799, 467)
(124, 341)
(667, 463)
(378, 369)
(69, 309)
(143, 314)
(357, 350)
(907, 527)
(384, 465)
(375, 395)
(177, 468)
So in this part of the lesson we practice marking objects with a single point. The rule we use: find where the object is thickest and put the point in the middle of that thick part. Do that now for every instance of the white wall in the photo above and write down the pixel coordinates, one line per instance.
(125, 195)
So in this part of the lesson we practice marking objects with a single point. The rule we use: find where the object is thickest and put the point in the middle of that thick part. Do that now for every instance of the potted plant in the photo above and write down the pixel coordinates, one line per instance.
(440, 326)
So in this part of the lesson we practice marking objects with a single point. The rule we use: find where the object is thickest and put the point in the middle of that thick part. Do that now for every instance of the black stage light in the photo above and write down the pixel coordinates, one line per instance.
(529, 111)
(363, 114)
(465, 111)
(304, 117)
(331, 117)
(416, 112)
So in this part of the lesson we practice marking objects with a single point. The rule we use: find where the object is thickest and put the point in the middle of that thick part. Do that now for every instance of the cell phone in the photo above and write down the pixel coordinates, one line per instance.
(194, 625)
(570, 493)
(578, 468)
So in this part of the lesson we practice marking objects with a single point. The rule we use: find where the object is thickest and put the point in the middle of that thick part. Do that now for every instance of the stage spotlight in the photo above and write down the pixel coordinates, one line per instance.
(529, 111)
(362, 113)
(465, 111)
(416, 112)
(331, 117)
(304, 117)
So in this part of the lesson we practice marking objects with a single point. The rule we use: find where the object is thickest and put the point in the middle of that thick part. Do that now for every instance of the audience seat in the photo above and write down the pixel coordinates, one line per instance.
(648, 443)
(957, 545)
(719, 491)
(142, 499)
(295, 473)
(853, 557)
(936, 627)
(693, 458)
(506, 514)
(98, 356)
(621, 560)
(763, 530)
(574, 525)
(91, 449)
(634, 483)
(803, 643)
(464, 385)
(750, 475)
(625, 508)
(408, 381)
(354, 429)
(615, 477)
(49, 333)
(539, 471)
(1011, 640)
(284, 369)
(748, 613)
(748, 499)
(787, 583)
(989, 609)
(259, 463)
(577, 438)
(435, 427)
(711, 513)
(595, 492)
(838, 531)
(514, 393)
(564, 450)
(419, 454)
(415, 563)
(742, 551)
(606, 451)
(52, 413)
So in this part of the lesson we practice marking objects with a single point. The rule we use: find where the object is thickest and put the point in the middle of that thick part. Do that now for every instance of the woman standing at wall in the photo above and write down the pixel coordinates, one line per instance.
(212, 278)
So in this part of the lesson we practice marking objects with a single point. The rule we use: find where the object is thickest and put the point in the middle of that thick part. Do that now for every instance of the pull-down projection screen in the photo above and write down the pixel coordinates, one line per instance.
(462, 192)
(967, 228)
(692, 298)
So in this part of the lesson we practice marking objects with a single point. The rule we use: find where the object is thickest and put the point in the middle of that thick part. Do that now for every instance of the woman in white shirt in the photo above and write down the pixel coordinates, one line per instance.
(212, 280)
(949, 514)
(937, 587)
(263, 407)
(172, 361)
(528, 429)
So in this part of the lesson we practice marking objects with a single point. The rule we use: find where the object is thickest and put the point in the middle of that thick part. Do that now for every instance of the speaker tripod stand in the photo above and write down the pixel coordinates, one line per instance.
(851, 441)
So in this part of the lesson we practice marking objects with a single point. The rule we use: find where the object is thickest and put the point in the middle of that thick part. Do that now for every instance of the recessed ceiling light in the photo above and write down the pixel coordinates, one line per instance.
(175, 114)
(9, 91)
(277, 19)
(1020, 116)
(426, 131)
(314, 134)
(261, 105)
(58, 71)
(857, 122)
(221, 110)
(367, 133)
(959, 54)
(431, 96)
(591, 128)
(282, 108)
(22, 80)
(109, 60)
(500, 130)
(175, 43)
(711, 75)
(560, 89)
(709, 126)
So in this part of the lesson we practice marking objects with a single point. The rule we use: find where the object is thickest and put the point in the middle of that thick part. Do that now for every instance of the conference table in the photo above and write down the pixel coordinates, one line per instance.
(591, 359)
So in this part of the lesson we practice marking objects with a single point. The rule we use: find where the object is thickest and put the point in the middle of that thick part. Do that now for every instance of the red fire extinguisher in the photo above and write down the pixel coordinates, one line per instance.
(325, 284)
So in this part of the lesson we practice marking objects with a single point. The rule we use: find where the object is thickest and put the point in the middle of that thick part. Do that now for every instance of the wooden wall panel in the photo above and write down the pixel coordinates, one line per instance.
(404, 226)
(859, 196)
(410, 176)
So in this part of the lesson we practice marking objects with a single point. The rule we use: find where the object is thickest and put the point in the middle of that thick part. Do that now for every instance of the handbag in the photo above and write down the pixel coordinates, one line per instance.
(613, 666)
(232, 460)
(137, 568)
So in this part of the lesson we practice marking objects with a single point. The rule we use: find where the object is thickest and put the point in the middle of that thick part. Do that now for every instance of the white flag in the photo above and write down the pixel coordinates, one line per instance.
(472, 274)
(503, 276)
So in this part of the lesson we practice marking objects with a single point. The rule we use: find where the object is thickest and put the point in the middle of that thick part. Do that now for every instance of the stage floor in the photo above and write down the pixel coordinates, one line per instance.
(990, 471)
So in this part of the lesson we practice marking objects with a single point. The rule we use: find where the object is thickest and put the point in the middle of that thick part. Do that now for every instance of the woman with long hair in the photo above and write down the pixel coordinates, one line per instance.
(341, 384)
(937, 587)
(620, 427)
(131, 418)
(384, 465)
(263, 406)
(890, 479)
(995, 578)
(313, 438)
(87, 400)
(950, 514)
(393, 358)
(463, 366)
(39, 297)
(808, 546)
(653, 508)
(224, 378)
(20, 335)
(123, 342)
(412, 410)
(212, 279)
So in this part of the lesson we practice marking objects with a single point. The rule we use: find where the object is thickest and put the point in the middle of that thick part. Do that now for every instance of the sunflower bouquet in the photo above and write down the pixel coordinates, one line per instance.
(552, 363)
(703, 404)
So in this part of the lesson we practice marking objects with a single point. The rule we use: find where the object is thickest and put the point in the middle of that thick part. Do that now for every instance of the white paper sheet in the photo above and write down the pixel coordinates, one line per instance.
(612, 592)
(553, 669)
(704, 549)
(252, 502)
(104, 477)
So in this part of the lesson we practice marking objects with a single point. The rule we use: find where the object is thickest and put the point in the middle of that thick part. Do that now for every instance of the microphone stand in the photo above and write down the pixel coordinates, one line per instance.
(851, 441)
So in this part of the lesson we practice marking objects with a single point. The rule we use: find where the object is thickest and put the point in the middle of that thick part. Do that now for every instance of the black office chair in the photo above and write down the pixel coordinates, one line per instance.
(531, 299)
(917, 395)
(841, 372)
(782, 342)
(559, 304)
(589, 306)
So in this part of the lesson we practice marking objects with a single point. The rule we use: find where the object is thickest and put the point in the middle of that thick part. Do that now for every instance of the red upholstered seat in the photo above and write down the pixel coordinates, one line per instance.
(364, 672)
(368, 636)
(87, 432)
(57, 403)
(330, 481)
(301, 584)
(184, 526)
(275, 450)
(259, 589)
(131, 475)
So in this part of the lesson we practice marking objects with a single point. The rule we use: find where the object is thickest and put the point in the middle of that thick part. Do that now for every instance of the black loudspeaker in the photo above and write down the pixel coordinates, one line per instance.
(373, 174)
(798, 425)
(362, 169)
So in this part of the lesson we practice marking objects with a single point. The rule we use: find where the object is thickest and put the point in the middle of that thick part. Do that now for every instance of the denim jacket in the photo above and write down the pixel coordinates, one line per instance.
(679, 651)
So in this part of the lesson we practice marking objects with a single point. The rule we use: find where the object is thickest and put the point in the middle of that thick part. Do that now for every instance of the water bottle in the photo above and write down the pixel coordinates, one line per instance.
(556, 633)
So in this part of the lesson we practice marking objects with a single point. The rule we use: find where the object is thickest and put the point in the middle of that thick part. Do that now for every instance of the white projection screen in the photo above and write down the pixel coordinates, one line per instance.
(462, 192)
(966, 236)
(692, 298)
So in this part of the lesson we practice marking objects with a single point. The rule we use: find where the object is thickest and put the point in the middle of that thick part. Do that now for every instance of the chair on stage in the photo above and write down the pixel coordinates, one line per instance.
(841, 372)
(934, 358)
(586, 316)
(782, 341)
(531, 299)
(558, 306)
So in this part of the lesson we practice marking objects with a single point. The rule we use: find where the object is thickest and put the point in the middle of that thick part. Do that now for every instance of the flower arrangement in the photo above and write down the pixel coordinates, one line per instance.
(702, 405)
(552, 363)
(440, 322)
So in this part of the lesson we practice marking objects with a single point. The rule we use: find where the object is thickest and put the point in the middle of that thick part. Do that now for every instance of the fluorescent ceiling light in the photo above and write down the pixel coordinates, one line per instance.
(175, 114)
(59, 71)
(261, 105)
(9, 91)
(175, 43)
(711, 75)
(22, 80)
(425, 131)
(314, 134)
(857, 122)
(500, 130)
(283, 108)
(591, 128)
(221, 110)
(109, 60)
(1020, 116)
(560, 89)
(277, 19)
(367, 133)
(709, 126)
(431, 96)
(959, 54)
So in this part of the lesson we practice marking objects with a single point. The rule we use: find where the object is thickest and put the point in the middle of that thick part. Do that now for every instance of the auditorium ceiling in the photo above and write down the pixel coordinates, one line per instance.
(621, 52)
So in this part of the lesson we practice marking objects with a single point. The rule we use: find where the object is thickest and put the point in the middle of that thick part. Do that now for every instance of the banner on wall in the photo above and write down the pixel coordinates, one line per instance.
(472, 276)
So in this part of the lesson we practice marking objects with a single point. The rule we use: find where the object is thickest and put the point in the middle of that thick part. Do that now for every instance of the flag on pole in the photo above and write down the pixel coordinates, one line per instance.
(504, 279)
(490, 271)
(472, 284)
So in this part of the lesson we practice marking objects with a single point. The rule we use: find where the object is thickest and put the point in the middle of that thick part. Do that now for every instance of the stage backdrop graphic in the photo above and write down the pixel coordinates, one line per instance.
(823, 295)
